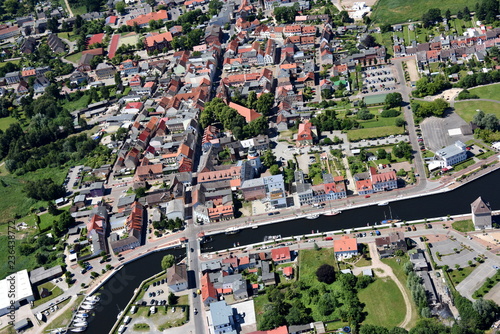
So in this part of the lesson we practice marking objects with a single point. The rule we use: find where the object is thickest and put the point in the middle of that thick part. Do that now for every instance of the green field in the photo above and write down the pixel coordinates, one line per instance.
(14, 201)
(490, 92)
(310, 260)
(56, 292)
(397, 268)
(458, 276)
(67, 35)
(3, 63)
(75, 57)
(468, 109)
(463, 226)
(376, 123)
(5, 122)
(378, 132)
(81, 103)
(384, 309)
(401, 11)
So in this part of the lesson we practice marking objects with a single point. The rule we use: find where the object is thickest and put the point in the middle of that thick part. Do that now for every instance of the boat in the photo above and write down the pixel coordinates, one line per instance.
(390, 221)
(79, 329)
(80, 323)
(93, 299)
(119, 315)
(82, 313)
(255, 227)
(332, 213)
(232, 230)
(313, 216)
(383, 203)
(272, 237)
(87, 307)
(58, 331)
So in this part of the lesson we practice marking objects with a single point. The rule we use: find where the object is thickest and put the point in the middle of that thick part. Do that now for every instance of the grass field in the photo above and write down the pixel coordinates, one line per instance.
(458, 276)
(463, 226)
(5, 122)
(376, 123)
(74, 58)
(81, 103)
(67, 35)
(468, 109)
(78, 9)
(378, 132)
(14, 201)
(490, 92)
(310, 260)
(56, 292)
(397, 268)
(384, 309)
(3, 63)
(401, 11)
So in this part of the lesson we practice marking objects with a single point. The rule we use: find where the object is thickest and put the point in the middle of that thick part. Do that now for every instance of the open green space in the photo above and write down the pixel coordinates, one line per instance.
(3, 63)
(378, 121)
(463, 225)
(457, 276)
(396, 263)
(467, 109)
(56, 292)
(14, 201)
(310, 260)
(78, 9)
(74, 58)
(489, 92)
(67, 35)
(81, 103)
(5, 122)
(372, 133)
(401, 11)
(384, 309)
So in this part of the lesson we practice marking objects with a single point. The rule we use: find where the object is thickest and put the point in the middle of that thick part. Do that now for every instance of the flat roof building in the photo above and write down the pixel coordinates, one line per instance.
(18, 285)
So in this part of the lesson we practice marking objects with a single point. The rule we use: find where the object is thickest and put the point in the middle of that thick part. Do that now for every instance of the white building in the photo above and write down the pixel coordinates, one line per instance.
(16, 289)
(221, 318)
(275, 190)
(451, 155)
(174, 209)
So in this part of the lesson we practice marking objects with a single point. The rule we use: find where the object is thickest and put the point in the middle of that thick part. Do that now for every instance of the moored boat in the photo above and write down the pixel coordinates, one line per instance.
(383, 203)
(313, 216)
(232, 230)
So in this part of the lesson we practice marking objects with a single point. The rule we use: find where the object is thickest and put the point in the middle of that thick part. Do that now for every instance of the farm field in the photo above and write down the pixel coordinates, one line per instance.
(467, 109)
(401, 11)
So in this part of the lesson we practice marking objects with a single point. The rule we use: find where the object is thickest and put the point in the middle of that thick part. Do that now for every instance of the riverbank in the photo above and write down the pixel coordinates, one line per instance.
(445, 185)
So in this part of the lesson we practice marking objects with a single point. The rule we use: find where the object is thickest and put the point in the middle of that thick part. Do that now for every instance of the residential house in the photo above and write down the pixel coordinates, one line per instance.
(149, 172)
(143, 20)
(96, 189)
(345, 247)
(221, 320)
(268, 277)
(105, 71)
(208, 292)
(40, 84)
(158, 42)
(388, 245)
(281, 255)
(307, 133)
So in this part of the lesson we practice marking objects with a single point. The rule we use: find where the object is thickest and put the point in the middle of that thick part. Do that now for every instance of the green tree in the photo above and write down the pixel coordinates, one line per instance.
(326, 274)
(274, 169)
(393, 100)
(268, 158)
(167, 261)
(172, 299)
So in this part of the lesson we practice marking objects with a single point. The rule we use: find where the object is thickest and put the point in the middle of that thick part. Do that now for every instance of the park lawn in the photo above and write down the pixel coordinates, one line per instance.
(81, 103)
(463, 226)
(310, 260)
(375, 123)
(258, 303)
(384, 309)
(5, 122)
(400, 11)
(56, 292)
(458, 276)
(378, 132)
(78, 10)
(397, 268)
(47, 219)
(67, 35)
(467, 109)
(74, 58)
(16, 62)
(489, 92)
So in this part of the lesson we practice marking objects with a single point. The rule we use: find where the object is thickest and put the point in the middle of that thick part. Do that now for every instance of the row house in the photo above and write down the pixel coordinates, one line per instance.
(143, 20)
(296, 30)
(129, 67)
(302, 42)
(159, 42)
(372, 181)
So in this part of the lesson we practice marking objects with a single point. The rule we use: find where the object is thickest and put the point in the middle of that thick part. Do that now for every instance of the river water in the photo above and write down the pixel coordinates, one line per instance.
(117, 292)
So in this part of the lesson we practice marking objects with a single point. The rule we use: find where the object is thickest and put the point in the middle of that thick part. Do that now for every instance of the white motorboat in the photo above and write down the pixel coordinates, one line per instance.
(79, 329)
(232, 230)
(332, 213)
(87, 307)
(314, 216)
(82, 314)
(80, 324)
(92, 299)
(383, 203)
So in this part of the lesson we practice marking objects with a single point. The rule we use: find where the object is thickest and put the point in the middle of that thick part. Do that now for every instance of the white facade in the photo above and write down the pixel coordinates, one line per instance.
(451, 155)
(15, 289)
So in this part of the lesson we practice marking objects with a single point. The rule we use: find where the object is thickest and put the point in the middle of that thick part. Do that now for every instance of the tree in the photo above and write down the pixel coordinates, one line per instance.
(326, 304)
(369, 41)
(385, 28)
(393, 100)
(274, 169)
(381, 154)
(118, 79)
(399, 122)
(402, 149)
(172, 299)
(44, 189)
(268, 158)
(372, 329)
(326, 274)
(265, 103)
(167, 261)
(432, 16)
(447, 14)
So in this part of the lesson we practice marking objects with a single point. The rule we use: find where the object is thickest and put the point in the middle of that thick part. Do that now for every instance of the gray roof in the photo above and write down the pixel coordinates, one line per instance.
(127, 200)
(40, 274)
(252, 183)
(480, 207)
(79, 198)
(221, 313)
(451, 150)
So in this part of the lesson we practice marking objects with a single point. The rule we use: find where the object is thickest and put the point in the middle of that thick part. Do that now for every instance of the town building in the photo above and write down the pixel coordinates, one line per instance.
(481, 214)
(221, 320)
(177, 279)
(388, 245)
(23, 292)
(345, 247)
(451, 155)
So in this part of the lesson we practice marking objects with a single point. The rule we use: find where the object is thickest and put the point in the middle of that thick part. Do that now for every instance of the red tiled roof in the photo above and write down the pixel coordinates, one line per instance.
(281, 254)
(249, 114)
(113, 46)
(144, 19)
(345, 244)
(158, 38)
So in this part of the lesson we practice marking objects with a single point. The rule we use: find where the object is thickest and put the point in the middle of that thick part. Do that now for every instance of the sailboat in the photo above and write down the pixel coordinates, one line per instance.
(389, 221)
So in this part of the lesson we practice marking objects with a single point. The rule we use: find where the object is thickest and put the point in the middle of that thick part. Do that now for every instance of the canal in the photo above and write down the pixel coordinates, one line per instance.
(117, 292)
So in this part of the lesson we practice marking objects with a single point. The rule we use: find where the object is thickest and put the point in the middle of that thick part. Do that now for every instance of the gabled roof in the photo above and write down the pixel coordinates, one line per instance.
(281, 254)
(144, 19)
(249, 114)
(345, 244)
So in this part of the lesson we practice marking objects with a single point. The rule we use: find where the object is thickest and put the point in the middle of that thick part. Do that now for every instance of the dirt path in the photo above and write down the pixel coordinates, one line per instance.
(69, 8)
(376, 263)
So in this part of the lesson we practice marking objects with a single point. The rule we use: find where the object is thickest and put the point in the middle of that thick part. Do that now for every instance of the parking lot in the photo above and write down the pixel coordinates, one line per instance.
(378, 79)
(156, 294)
(449, 256)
